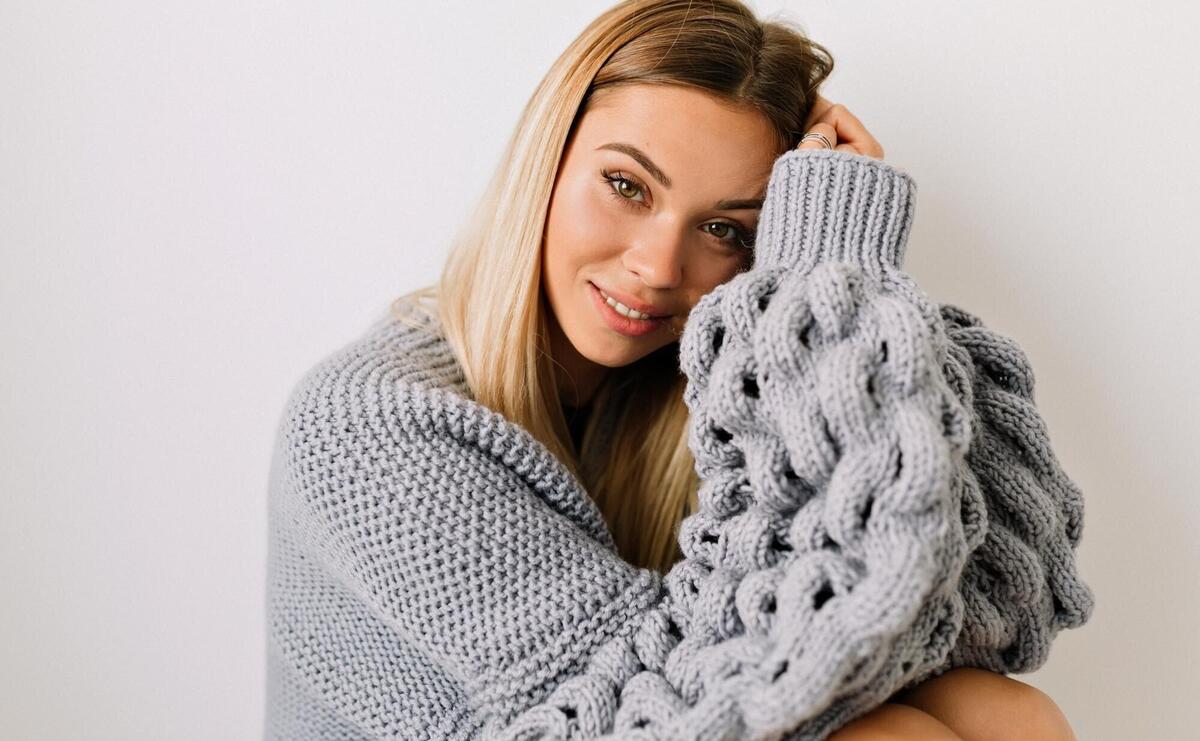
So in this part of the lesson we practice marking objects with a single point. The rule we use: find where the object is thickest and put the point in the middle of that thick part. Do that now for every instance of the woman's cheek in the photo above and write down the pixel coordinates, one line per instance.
(599, 224)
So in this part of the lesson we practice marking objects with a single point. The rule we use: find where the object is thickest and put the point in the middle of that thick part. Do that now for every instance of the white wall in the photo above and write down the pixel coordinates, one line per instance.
(199, 200)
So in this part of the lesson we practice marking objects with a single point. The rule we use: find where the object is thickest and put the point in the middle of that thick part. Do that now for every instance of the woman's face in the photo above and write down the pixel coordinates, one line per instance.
(655, 201)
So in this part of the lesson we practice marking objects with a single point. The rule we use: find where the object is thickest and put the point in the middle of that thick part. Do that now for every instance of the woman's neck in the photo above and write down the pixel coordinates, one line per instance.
(577, 377)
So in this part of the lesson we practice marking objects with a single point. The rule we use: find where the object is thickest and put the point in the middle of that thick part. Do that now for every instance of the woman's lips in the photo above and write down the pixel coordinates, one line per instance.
(636, 305)
(622, 324)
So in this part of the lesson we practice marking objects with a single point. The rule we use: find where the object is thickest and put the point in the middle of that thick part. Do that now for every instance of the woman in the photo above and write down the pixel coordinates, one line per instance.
(633, 370)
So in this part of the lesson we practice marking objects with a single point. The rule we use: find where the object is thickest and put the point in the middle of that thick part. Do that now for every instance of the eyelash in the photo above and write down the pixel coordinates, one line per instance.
(744, 238)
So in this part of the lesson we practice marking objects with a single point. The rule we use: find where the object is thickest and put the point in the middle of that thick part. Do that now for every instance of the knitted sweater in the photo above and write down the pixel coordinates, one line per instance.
(879, 503)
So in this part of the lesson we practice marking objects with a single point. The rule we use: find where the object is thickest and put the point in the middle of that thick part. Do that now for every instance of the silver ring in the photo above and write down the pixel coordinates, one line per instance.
(816, 135)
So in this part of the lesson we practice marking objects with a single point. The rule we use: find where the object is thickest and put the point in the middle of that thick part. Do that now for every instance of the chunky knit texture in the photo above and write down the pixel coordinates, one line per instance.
(879, 503)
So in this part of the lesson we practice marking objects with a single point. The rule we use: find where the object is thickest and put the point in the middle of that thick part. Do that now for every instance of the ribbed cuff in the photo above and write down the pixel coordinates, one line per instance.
(826, 205)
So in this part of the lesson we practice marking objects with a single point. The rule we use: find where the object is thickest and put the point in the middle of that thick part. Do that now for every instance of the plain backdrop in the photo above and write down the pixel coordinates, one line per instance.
(200, 200)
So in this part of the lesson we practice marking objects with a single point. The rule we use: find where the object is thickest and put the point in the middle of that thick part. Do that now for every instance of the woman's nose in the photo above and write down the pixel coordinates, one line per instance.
(657, 257)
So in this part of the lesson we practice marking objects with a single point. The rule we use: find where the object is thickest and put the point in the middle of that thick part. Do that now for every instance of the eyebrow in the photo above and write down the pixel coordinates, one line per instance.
(660, 176)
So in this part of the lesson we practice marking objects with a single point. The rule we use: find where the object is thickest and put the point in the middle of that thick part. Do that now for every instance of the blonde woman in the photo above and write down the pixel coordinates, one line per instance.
(674, 448)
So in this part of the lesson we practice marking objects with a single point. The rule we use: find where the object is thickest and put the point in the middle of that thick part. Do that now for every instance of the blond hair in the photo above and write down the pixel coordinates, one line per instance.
(644, 482)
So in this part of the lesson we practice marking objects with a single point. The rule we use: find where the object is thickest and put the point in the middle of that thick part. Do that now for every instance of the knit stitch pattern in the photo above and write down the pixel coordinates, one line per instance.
(879, 503)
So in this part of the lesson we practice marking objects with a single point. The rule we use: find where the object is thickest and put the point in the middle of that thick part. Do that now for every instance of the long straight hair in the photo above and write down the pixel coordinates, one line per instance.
(642, 477)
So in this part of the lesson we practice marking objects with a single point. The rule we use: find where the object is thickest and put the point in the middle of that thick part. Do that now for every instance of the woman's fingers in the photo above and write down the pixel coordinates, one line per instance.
(851, 130)
(848, 133)
(820, 128)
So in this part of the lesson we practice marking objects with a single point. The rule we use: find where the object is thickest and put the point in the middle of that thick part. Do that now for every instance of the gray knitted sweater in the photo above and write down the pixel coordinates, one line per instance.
(879, 503)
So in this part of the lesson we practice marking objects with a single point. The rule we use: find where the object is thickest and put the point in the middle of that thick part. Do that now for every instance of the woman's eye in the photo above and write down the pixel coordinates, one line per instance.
(723, 229)
(621, 186)
(731, 233)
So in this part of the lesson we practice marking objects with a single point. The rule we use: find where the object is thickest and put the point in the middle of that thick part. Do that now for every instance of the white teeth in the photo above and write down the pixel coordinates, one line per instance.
(622, 309)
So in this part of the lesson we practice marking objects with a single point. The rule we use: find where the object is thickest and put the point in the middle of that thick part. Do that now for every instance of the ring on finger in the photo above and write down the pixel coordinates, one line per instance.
(816, 135)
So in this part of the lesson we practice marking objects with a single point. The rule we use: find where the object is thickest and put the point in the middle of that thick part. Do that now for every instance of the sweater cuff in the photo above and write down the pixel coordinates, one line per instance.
(828, 205)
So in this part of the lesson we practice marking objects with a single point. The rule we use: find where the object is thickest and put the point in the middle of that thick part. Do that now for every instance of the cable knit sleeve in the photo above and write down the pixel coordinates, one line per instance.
(837, 512)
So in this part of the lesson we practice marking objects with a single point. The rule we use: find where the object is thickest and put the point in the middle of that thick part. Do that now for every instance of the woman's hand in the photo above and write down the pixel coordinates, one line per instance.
(843, 129)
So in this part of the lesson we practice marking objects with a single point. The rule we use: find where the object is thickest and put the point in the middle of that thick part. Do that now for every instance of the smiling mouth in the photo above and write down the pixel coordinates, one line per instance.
(622, 323)
(625, 310)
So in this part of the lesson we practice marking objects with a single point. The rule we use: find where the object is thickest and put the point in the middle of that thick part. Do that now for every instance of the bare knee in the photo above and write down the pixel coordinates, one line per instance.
(894, 722)
(980, 705)
(1044, 720)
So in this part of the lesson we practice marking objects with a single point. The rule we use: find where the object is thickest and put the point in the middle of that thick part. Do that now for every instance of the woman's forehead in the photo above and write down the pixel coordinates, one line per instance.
(665, 103)
(682, 128)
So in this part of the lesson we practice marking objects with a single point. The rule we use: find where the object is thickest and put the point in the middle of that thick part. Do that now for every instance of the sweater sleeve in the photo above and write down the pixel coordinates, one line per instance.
(836, 510)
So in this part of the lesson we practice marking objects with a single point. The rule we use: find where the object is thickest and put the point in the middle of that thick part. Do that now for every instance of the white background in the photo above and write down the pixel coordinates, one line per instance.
(199, 200)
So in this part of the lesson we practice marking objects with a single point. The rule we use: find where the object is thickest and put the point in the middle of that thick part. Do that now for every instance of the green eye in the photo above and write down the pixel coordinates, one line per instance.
(741, 237)
(624, 188)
